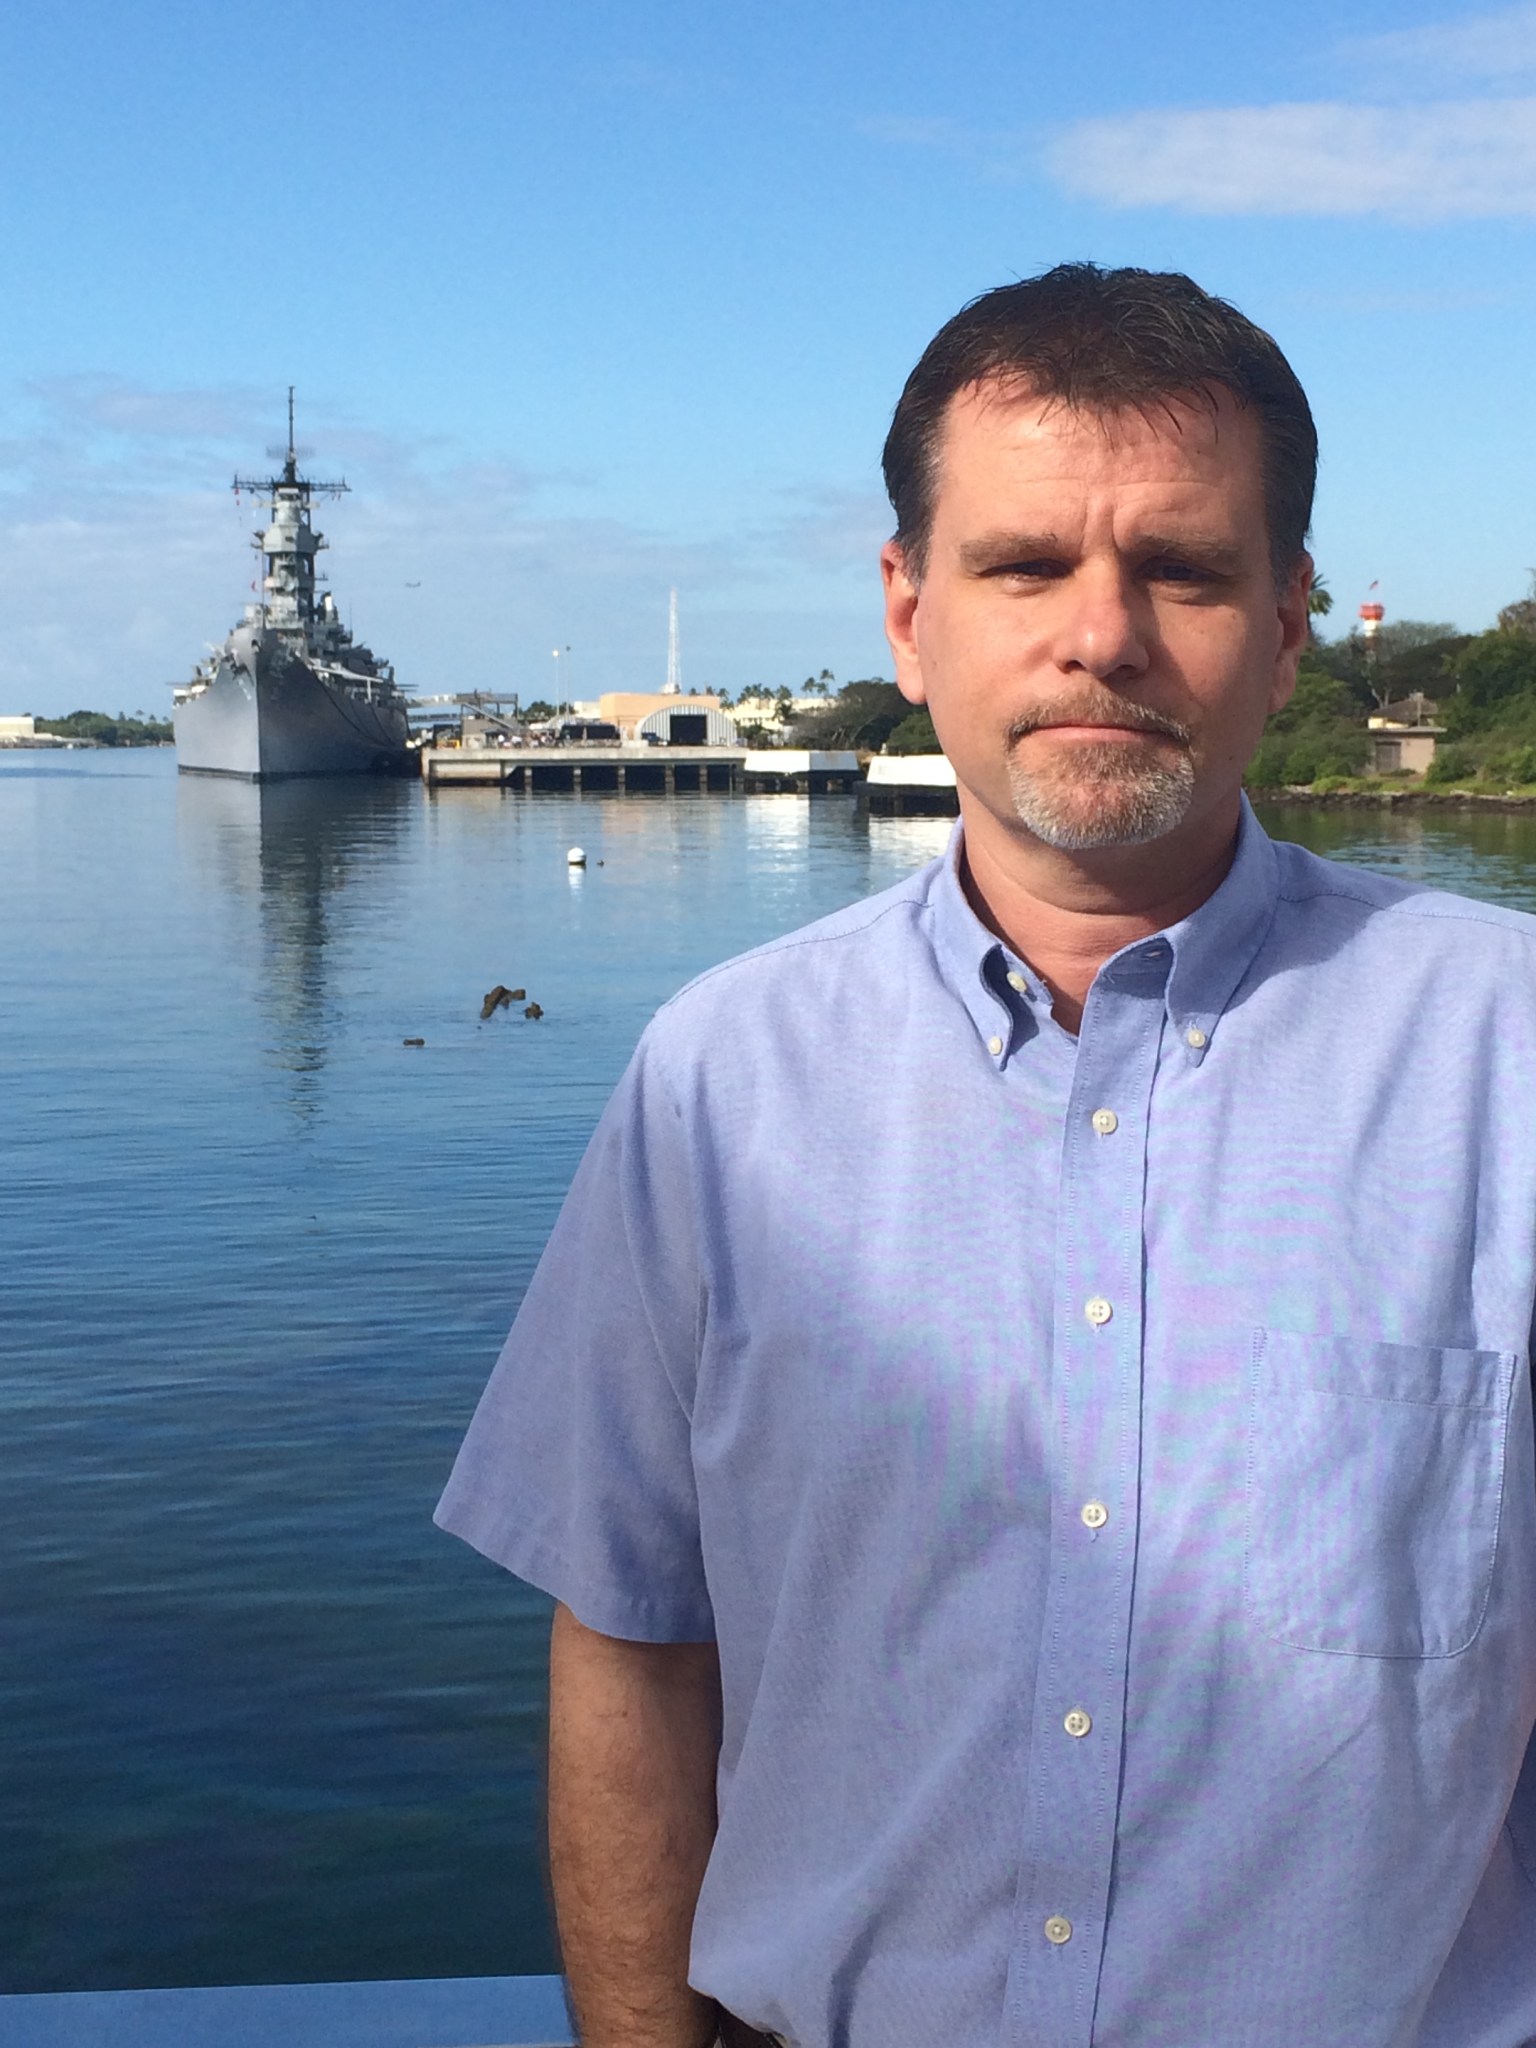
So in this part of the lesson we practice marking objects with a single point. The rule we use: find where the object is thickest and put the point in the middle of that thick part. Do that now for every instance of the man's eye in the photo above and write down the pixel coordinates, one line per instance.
(1035, 571)
(1176, 572)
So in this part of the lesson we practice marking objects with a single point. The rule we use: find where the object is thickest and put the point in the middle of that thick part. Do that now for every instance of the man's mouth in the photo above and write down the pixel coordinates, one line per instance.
(1093, 725)
(1129, 723)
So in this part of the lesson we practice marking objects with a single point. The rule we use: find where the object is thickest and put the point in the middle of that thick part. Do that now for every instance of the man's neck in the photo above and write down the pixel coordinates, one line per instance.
(1066, 913)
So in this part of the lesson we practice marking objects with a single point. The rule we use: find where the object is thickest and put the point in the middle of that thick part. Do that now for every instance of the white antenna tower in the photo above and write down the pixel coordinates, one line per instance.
(674, 683)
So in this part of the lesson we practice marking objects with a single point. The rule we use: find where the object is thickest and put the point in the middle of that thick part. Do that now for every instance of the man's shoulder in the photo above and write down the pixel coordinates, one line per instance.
(1308, 882)
(816, 962)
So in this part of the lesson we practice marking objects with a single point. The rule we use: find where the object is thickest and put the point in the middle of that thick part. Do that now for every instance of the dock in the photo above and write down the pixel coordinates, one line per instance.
(912, 785)
(636, 770)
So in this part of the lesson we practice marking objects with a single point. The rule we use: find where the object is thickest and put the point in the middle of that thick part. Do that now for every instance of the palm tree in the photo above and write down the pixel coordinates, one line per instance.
(1319, 598)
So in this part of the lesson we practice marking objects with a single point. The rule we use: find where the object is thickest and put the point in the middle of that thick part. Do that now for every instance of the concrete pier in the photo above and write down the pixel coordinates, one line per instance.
(633, 771)
(912, 785)
(806, 771)
(629, 770)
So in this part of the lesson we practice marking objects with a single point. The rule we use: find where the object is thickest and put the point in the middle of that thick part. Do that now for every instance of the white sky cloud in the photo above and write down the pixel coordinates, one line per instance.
(1485, 49)
(1461, 160)
(1391, 145)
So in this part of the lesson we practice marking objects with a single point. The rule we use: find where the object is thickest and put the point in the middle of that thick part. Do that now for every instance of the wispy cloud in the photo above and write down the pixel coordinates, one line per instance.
(1485, 49)
(993, 152)
(831, 531)
(116, 406)
(1467, 160)
(1390, 144)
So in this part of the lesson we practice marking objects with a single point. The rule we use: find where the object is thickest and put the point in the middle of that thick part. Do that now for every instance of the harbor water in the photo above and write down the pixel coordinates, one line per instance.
(260, 1721)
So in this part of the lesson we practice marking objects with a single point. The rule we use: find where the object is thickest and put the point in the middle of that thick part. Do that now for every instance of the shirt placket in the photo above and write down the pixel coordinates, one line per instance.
(1078, 1719)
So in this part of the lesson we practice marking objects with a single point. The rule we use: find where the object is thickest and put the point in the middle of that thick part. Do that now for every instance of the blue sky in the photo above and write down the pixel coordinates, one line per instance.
(589, 300)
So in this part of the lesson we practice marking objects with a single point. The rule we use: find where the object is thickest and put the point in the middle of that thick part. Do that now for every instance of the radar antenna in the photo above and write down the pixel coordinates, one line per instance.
(290, 478)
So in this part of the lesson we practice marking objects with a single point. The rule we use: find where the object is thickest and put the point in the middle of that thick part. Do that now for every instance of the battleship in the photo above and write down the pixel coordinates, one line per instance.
(290, 692)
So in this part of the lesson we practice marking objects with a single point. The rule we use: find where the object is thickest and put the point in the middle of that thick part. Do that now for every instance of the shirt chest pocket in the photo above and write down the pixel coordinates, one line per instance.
(1375, 1481)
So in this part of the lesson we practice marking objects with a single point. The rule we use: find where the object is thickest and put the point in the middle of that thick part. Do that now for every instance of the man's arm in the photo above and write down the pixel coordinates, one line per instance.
(634, 1735)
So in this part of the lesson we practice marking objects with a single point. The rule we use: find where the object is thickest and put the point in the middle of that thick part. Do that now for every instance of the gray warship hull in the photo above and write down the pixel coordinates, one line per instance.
(281, 717)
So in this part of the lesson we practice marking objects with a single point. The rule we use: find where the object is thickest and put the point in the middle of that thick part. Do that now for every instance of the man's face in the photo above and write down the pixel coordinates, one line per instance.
(1097, 633)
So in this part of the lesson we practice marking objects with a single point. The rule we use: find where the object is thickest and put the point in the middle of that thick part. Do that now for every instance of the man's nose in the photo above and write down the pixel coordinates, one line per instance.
(1104, 627)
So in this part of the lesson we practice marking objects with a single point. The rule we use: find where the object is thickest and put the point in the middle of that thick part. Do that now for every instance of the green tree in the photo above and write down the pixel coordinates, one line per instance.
(1494, 674)
(1427, 667)
(862, 714)
(1415, 654)
(1398, 636)
(1321, 731)
(914, 735)
(1520, 617)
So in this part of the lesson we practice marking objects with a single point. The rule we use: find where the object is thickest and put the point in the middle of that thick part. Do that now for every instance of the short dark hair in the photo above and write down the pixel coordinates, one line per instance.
(1103, 340)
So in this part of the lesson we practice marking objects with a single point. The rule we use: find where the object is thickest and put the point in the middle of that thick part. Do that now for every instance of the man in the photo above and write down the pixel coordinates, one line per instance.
(1048, 1440)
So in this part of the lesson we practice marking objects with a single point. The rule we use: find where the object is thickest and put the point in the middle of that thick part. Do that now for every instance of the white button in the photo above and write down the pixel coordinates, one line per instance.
(1105, 1121)
(994, 1046)
(1094, 1514)
(1097, 1310)
(1194, 1036)
(1078, 1723)
(1017, 981)
(1058, 1930)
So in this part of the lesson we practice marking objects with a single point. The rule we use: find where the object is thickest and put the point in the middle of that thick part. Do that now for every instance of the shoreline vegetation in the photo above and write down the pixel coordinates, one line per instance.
(1475, 692)
(97, 729)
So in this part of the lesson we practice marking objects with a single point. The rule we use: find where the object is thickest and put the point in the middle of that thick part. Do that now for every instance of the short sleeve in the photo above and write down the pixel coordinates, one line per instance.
(577, 1471)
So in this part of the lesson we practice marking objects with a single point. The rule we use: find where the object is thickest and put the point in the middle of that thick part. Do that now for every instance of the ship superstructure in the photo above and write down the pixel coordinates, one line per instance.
(290, 692)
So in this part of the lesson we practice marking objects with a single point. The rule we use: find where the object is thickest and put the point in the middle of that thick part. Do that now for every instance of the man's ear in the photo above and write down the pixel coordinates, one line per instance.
(1295, 630)
(901, 593)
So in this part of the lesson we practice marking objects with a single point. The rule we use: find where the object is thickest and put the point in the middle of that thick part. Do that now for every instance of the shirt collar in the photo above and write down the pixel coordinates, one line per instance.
(1198, 962)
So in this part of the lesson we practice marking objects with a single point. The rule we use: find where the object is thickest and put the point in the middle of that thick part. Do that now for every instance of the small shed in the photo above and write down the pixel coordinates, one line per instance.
(687, 722)
(1398, 747)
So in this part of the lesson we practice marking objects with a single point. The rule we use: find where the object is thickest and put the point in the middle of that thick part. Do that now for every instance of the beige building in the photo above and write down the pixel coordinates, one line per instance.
(1396, 749)
(1403, 737)
(626, 708)
(773, 712)
(13, 730)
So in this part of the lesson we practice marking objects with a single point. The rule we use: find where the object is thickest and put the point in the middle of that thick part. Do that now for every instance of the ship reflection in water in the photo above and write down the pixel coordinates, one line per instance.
(306, 855)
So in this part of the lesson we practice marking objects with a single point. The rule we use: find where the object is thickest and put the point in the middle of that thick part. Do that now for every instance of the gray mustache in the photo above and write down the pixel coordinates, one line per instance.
(1119, 711)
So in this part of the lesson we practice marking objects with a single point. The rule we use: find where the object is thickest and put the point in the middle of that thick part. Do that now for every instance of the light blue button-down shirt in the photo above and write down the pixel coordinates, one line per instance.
(1105, 1464)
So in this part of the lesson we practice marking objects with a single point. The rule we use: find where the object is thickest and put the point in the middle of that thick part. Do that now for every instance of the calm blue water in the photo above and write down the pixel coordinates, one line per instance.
(259, 1720)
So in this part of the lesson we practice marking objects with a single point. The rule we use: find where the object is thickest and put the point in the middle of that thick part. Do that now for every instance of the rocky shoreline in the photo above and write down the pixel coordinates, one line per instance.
(1394, 799)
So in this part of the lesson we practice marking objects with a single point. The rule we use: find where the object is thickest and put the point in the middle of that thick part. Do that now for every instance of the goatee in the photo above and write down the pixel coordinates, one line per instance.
(1107, 793)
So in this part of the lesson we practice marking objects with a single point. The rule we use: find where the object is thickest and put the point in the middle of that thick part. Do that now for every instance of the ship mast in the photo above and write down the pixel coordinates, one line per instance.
(289, 544)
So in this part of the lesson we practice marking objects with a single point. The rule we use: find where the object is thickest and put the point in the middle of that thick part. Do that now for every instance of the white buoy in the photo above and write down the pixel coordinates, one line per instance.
(575, 858)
